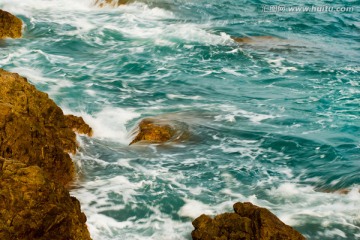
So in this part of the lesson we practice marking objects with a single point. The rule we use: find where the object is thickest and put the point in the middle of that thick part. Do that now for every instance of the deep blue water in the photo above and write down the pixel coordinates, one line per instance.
(275, 122)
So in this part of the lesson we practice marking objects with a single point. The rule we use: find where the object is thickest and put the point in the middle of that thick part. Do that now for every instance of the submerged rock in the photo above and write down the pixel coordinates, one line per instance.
(35, 167)
(36, 207)
(10, 26)
(152, 130)
(249, 222)
(256, 39)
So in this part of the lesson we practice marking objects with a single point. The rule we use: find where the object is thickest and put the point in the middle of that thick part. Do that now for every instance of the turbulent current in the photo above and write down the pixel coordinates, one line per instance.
(275, 122)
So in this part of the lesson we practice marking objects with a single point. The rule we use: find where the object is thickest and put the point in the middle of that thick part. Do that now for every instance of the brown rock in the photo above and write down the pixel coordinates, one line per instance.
(10, 26)
(249, 222)
(112, 3)
(77, 124)
(152, 131)
(255, 39)
(35, 207)
(34, 130)
(161, 129)
(35, 167)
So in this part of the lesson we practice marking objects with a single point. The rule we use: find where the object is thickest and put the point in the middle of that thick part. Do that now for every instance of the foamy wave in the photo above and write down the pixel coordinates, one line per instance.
(109, 123)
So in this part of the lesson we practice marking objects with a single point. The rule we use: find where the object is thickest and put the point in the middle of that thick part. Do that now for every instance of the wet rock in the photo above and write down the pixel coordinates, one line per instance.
(35, 167)
(35, 207)
(153, 130)
(10, 26)
(77, 124)
(112, 3)
(249, 222)
(34, 130)
(255, 39)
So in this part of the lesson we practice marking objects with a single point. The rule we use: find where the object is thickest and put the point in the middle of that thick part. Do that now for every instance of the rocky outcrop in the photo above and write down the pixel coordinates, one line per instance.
(77, 124)
(10, 26)
(249, 222)
(35, 139)
(34, 130)
(157, 130)
(35, 207)
(112, 3)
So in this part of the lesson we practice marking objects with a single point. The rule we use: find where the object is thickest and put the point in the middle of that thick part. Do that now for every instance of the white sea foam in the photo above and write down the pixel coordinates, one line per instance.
(36, 76)
(109, 123)
(234, 112)
(193, 209)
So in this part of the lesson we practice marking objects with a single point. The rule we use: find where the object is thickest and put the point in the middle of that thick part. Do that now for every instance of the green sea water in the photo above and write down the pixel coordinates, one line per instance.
(275, 122)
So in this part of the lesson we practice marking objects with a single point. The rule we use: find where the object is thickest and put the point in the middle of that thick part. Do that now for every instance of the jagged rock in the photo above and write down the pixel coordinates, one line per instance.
(10, 26)
(34, 130)
(35, 207)
(77, 124)
(35, 167)
(158, 130)
(112, 3)
(249, 222)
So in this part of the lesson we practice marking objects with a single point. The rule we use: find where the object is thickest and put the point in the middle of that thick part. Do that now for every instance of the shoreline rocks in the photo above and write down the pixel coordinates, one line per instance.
(35, 167)
(249, 222)
(10, 26)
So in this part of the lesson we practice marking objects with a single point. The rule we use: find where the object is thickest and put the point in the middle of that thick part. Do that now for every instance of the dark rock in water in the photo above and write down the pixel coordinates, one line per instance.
(10, 26)
(152, 130)
(35, 207)
(34, 130)
(35, 167)
(249, 222)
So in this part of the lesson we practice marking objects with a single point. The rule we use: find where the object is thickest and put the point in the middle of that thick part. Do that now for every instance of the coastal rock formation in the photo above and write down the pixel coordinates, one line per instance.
(249, 222)
(35, 167)
(77, 124)
(34, 130)
(35, 207)
(10, 26)
(112, 3)
(152, 130)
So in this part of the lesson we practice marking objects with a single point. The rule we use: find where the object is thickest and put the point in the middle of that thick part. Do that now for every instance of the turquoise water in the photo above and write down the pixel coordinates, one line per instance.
(275, 123)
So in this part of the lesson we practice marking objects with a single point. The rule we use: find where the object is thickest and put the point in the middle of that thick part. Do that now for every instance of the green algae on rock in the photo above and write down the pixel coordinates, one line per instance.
(249, 222)
(10, 26)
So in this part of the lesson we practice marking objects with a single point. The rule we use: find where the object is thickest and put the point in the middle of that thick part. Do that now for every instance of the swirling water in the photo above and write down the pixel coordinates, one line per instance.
(275, 123)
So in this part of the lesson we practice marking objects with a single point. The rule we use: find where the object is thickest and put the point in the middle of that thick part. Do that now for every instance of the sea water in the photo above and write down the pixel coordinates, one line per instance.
(275, 122)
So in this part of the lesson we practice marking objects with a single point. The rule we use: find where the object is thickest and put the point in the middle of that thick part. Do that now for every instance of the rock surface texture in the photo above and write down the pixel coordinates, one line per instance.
(249, 222)
(35, 167)
(10, 26)
(112, 3)
(153, 131)
(35, 207)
